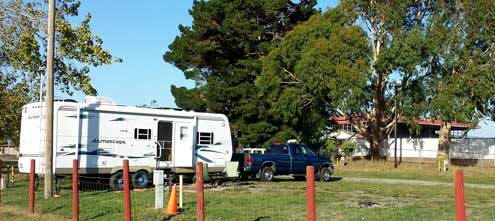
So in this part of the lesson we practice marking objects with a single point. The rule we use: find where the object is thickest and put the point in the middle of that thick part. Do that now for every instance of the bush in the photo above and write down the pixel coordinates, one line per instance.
(331, 146)
(348, 147)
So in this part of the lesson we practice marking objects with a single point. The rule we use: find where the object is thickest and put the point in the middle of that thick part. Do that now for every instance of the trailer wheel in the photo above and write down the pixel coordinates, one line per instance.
(267, 174)
(140, 179)
(117, 181)
(325, 174)
(36, 182)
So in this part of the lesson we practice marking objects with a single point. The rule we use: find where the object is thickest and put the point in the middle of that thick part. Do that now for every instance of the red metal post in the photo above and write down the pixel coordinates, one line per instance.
(75, 190)
(460, 206)
(199, 191)
(127, 192)
(31, 186)
(310, 193)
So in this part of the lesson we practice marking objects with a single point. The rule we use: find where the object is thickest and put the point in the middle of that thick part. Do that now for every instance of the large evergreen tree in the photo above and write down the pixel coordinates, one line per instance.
(221, 52)
(319, 68)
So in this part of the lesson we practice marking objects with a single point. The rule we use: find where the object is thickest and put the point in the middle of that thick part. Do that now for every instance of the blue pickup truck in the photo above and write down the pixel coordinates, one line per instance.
(285, 159)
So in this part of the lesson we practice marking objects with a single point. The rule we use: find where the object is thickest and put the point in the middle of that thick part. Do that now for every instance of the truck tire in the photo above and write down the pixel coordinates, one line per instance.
(117, 181)
(325, 174)
(267, 174)
(140, 179)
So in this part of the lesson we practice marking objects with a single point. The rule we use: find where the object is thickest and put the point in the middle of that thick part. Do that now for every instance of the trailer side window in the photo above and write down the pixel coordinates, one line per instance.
(204, 138)
(142, 134)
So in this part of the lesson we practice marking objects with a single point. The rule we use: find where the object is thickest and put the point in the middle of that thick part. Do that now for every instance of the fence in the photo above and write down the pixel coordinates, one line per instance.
(283, 199)
(9, 150)
(463, 152)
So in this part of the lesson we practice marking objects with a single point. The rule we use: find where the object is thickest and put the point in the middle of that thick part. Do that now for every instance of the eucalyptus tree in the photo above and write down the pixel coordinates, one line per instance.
(460, 80)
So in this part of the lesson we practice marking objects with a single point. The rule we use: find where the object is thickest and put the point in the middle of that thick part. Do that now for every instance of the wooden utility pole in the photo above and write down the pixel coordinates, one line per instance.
(49, 101)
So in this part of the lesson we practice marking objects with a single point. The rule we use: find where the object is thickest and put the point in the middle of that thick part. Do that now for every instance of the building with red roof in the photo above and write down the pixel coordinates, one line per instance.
(413, 145)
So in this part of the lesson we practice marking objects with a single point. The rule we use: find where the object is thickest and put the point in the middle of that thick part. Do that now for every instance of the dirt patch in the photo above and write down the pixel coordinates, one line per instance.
(14, 213)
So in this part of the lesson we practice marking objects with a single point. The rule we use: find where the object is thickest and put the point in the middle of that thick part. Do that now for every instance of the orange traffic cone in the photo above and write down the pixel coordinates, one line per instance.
(172, 203)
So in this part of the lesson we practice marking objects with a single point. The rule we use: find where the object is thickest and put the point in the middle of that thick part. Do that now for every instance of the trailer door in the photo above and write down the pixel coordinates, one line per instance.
(183, 145)
(164, 146)
(66, 143)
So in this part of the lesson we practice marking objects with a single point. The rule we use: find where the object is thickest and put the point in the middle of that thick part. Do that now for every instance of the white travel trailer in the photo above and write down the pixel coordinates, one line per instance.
(100, 134)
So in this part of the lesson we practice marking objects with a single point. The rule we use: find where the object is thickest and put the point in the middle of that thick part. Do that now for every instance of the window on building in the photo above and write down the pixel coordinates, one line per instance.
(204, 138)
(346, 127)
(142, 134)
(456, 133)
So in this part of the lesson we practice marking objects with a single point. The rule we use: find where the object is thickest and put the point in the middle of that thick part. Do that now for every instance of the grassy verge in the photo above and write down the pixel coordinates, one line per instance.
(15, 213)
(281, 200)
(413, 171)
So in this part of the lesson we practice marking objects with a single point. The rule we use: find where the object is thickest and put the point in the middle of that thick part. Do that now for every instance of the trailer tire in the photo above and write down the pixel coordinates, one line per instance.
(140, 179)
(36, 182)
(267, 174)
(117, 181)
(325, 174)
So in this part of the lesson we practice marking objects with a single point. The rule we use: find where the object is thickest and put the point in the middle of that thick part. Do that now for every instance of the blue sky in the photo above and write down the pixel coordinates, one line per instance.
(139, 32)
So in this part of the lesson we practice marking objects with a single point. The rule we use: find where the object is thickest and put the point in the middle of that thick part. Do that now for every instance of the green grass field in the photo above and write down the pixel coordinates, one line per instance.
(414, 171)
(280, 200)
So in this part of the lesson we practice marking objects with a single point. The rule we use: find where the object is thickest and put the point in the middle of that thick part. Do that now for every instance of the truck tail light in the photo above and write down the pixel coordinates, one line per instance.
(249, 160)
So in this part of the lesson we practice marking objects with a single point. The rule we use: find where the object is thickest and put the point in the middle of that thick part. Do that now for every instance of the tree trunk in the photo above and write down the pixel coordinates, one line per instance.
(375, 145)
(377, 125)
(444, 141)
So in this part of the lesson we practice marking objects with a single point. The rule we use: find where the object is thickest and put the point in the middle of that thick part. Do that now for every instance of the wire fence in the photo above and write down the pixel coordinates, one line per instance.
(283, 199)
(9, 150)
(342, 200)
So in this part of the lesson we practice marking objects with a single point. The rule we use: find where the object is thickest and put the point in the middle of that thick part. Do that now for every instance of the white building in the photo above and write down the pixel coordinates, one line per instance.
(423, 145)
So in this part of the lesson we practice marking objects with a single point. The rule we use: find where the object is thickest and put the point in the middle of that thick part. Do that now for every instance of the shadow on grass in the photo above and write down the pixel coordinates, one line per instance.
(98, 215)
(283, 179)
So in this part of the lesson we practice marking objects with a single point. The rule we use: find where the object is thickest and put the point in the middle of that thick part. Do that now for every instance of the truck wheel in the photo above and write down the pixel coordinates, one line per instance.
(325, 174)
(117, 181)
(140, 179)
(267, 174)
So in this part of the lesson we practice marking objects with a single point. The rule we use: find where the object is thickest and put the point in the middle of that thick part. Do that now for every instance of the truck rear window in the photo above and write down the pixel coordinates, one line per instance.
(277, 149)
